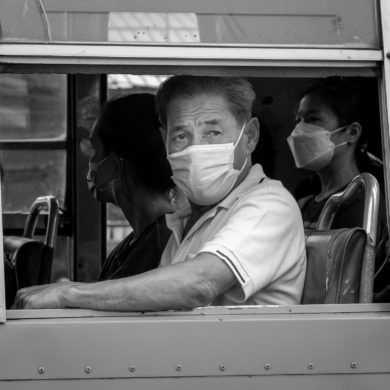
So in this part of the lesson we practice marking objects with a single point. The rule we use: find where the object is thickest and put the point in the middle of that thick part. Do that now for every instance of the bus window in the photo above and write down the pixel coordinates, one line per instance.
(275, 107)
(33, 135)
(33, 152)
(217, 39)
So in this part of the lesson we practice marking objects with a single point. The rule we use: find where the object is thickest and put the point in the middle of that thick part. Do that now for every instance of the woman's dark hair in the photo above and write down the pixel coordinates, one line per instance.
(345, 99)
(129, 127)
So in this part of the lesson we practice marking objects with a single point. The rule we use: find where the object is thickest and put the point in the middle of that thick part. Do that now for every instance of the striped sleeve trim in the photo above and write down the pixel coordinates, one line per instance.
(228, 257)
(232, 265)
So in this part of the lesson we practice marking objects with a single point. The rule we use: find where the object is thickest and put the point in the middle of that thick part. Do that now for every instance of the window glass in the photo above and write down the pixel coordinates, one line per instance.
(88, 218)
(153, 27)
(32, 107)
(29, 174)
(293, 22)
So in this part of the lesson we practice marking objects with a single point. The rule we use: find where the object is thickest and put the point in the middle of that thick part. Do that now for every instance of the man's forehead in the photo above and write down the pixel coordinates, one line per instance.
(204, 108)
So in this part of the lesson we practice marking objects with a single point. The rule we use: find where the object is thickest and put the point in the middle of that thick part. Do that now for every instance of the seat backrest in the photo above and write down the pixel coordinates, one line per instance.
(23, 263)
(334, 266)
(29, 260)
(340, 263)
(24, 254)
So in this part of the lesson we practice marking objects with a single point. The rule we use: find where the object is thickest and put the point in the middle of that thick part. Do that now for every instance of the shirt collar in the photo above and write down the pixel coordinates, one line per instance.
(254, 176)
(177, 220)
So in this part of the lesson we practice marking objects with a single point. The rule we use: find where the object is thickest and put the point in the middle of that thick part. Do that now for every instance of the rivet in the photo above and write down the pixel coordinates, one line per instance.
(87, 369)
(132, 368)
(222, 367)
(178, 367)
(267, 366)
(41, 370)
(353, 365)
(310, 366)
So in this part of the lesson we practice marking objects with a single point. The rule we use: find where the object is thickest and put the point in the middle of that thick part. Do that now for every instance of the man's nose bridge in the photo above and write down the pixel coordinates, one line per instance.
(198, 138)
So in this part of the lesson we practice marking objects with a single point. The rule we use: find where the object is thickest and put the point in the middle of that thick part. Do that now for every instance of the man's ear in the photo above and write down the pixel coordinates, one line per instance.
(252, 132)
(354, 131)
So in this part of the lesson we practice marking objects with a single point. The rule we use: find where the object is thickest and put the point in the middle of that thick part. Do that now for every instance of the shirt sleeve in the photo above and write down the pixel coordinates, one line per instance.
(261, 240)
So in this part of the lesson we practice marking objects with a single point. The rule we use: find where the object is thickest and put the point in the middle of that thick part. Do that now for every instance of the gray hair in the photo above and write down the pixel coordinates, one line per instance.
(237, 92)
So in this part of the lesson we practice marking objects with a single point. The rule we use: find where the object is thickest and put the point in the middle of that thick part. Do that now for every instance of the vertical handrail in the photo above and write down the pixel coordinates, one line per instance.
(370, 222)
(384, 90)
(2, 279)
(49, 203)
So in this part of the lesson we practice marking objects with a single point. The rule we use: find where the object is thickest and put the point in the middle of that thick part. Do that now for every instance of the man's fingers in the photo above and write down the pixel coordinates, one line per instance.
(22, 300)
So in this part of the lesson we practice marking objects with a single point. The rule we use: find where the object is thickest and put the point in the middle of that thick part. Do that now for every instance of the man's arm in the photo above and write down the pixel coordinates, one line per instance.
(183, 285)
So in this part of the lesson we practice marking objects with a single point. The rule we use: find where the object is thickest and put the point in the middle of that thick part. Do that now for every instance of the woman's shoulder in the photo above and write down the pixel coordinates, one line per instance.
(305, 200)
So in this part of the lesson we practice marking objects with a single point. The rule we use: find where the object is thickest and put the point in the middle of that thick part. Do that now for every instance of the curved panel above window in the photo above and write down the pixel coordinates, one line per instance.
(330, 23)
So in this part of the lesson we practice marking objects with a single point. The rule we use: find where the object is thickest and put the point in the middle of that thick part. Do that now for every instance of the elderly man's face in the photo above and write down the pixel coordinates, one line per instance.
(200, 120)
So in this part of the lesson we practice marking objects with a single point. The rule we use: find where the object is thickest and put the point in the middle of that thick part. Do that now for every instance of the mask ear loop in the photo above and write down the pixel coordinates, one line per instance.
(339, 129)
(238, 140)
(241, 133)
(112, 183)
(336, 131)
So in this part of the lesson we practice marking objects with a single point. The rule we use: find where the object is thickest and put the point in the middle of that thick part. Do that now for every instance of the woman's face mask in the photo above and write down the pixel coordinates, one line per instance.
(205, 173)
(101, 179)
(311, 146)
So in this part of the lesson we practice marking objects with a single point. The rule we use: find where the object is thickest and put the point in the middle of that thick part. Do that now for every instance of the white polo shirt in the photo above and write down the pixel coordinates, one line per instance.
(257, 231)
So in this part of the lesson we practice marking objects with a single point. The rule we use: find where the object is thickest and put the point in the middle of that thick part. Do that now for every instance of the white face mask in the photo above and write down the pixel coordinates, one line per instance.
(311, 146)
(205, 173)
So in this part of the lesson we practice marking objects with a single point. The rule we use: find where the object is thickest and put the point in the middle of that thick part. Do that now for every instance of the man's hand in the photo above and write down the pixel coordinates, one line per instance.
(48, 296)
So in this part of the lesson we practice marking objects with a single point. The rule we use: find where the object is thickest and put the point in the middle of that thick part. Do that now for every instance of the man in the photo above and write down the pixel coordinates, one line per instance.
(240, 242)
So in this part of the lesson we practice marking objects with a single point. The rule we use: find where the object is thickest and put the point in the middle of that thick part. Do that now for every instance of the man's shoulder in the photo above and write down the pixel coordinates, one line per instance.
(268, 198)
(268, 189)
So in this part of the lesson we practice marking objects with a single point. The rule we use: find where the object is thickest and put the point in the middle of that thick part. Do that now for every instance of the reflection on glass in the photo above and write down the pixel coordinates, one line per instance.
(29, 174)
(119, 84)
(32, 107)
(284, 22)
(153, 27)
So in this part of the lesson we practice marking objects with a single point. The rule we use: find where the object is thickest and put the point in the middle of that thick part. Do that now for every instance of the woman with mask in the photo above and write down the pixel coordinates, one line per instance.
(128, 167)
(329, 139)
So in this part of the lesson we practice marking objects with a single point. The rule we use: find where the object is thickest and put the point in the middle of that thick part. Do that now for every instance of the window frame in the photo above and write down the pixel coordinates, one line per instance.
(207, 59)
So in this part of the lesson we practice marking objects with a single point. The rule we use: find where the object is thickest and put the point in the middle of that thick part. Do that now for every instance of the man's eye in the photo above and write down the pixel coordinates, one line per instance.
(213, 133)
(179, 137)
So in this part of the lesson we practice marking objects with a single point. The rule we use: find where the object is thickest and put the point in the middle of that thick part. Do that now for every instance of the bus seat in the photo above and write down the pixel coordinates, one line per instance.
(29, 258)
(340, 262)
(334, 265)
